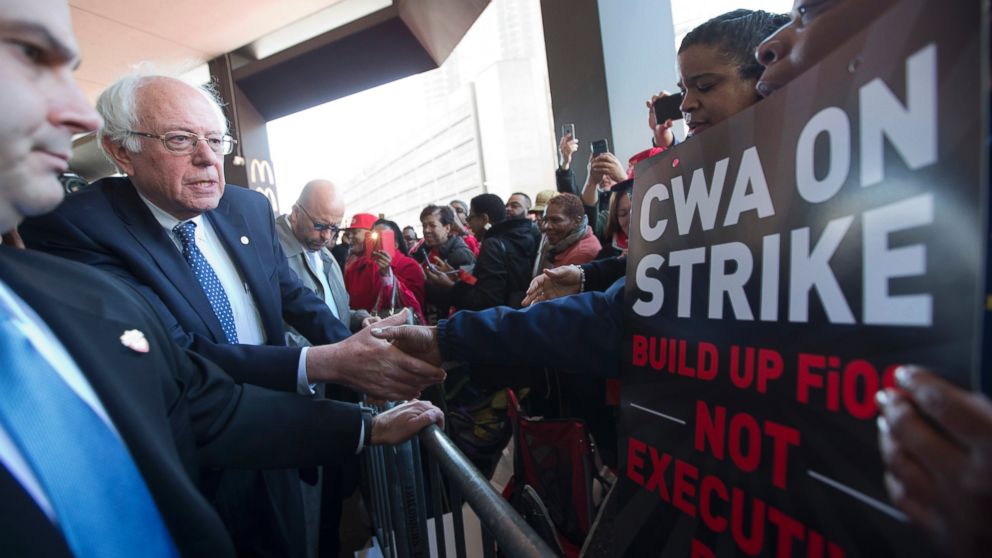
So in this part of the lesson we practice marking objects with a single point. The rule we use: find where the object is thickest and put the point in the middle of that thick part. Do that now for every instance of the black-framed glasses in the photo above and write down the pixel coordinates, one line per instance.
(184, 143)
(317, 225)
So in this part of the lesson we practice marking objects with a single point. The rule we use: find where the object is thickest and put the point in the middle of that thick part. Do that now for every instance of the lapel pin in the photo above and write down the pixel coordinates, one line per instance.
(244, 240)
(135, 340)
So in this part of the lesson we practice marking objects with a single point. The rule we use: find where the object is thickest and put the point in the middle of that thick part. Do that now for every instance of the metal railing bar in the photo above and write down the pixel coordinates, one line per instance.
(458, 522)
(436, 486)
(488, 545)
(420, 498)
(515, 537)
(388, 538)
(375, 492)
(401, 537)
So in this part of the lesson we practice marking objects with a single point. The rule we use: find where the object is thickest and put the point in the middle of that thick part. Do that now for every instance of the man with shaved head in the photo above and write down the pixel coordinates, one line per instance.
(305, 235)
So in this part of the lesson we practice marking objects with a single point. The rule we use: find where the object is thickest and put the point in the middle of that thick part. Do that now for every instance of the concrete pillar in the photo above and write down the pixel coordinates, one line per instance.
(251, 164)
(605, 59)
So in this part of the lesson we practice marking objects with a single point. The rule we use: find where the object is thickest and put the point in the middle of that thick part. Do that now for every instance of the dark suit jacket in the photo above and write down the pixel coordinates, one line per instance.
(175, 410)
(108, 226)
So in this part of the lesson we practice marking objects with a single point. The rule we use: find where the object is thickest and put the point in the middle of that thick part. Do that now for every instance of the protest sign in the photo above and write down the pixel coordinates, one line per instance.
(781, 265)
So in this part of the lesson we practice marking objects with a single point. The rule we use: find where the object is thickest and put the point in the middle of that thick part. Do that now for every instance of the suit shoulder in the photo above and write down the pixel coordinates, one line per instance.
(32, 267)
(242, 195)
(93, 196)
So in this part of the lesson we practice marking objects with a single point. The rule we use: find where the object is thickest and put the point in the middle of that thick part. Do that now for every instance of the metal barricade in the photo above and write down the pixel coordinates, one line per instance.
(396, 495)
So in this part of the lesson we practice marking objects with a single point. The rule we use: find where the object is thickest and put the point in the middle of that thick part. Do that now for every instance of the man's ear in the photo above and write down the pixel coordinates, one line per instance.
(121, 156)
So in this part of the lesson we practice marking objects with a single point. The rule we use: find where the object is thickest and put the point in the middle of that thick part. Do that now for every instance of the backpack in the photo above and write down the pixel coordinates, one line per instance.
(557, 459)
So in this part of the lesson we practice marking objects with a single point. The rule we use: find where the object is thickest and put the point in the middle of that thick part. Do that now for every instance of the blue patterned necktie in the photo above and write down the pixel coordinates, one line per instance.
(102, 504)
(207, 278)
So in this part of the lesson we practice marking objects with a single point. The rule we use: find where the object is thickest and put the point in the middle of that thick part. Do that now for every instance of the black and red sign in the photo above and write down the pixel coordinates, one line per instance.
(782, 264)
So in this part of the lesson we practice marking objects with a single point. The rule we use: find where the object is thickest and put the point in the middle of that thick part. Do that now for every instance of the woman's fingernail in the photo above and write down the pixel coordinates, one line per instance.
(883, 425)
(882, 398)
(903, 375)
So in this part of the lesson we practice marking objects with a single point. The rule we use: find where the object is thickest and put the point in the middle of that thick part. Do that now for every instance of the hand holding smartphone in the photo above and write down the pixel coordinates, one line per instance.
(669, 107)
(381, 240)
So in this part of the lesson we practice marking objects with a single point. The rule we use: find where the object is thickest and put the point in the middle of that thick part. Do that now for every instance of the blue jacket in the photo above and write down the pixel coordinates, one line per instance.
(582, 333)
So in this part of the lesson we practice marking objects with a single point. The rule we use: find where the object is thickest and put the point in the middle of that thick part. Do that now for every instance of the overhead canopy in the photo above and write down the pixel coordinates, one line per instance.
(285, 56)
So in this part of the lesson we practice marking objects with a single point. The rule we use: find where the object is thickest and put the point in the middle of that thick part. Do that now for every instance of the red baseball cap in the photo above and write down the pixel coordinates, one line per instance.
(363, 221)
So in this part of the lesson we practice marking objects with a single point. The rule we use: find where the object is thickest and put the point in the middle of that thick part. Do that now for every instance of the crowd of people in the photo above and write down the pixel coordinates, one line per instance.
(199, 370)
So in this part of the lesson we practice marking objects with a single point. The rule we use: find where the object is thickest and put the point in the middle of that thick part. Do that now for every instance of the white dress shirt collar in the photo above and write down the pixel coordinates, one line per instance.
(164, 218)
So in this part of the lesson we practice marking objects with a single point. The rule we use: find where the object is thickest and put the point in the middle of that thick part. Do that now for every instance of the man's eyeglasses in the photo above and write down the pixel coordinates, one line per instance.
(317, 225)
(184, 143)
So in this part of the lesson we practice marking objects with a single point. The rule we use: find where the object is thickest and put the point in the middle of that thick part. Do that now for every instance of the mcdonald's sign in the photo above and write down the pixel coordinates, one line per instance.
(261, 171)
(261, 178)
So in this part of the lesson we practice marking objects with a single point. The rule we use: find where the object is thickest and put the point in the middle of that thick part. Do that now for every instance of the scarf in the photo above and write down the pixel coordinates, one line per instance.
(620, 241)
(548, 253)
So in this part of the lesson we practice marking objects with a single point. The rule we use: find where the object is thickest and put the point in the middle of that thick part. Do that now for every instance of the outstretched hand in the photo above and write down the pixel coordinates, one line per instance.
(404, 421)
(417, 341)
(373, 366)
(936, 442)
(553, 283)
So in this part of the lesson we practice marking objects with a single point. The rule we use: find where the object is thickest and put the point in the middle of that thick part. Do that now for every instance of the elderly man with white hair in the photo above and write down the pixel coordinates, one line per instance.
(207, 258)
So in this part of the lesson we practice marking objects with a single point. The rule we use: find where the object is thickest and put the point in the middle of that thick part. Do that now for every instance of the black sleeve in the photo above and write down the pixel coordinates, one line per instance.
(490, 285)
(460, 256)
(565, 181)
(600, 274)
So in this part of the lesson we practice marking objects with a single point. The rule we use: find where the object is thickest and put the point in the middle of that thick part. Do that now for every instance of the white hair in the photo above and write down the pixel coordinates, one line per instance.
(118, 107)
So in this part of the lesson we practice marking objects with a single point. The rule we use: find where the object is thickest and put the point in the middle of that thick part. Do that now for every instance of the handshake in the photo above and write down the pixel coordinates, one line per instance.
(419, 342)
(421, 352)
(388, 361)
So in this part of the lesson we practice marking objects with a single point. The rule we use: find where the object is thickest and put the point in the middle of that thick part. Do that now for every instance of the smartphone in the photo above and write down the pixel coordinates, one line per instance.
(600, 147)
(668, 107)
(436, 269)
(387, 242)
(381, 240)
(568, 130)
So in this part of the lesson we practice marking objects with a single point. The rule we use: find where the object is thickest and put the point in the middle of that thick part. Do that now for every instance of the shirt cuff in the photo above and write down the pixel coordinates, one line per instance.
(365, 431)
(361, 438)
(303, 387)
